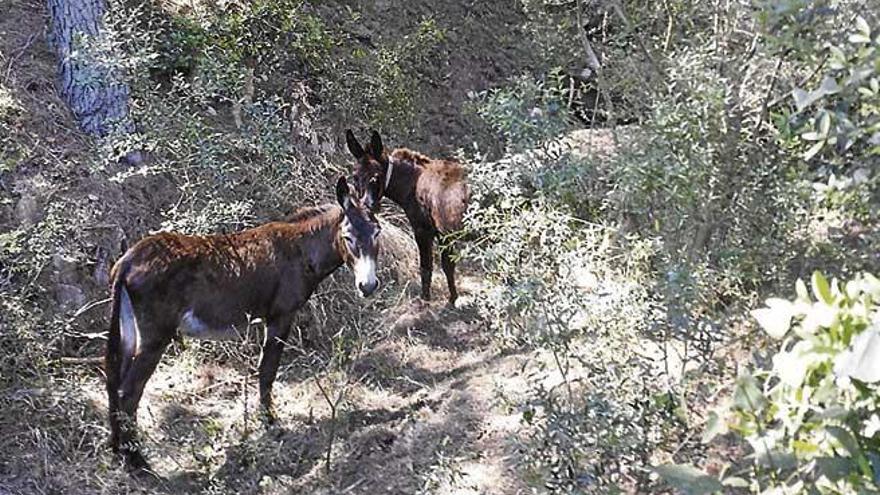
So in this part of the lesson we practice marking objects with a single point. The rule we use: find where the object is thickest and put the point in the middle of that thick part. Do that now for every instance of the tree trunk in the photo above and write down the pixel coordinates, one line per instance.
(97, 99)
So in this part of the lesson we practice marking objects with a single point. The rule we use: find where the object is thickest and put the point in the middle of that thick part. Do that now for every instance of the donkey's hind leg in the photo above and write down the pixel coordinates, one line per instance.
(425, 241)
(448, 265)
(130, 392)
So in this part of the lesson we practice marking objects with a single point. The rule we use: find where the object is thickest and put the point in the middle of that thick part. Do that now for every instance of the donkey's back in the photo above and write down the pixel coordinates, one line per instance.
(171, 259)
(440, 189)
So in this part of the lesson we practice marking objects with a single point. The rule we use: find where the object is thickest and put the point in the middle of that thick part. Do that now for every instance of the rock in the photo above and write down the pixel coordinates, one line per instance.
(69, 297)
(584, 279)
(28, 210)
(102, 272)
(65, 268)
(133, 158)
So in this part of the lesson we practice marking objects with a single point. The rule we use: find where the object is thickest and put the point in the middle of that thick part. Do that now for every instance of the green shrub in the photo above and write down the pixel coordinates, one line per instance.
(527, 112)
(811, 418)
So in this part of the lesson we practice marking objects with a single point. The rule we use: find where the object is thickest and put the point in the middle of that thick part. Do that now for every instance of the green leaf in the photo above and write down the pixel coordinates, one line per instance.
(803, 99)
(833, 412)
(821, 290)
(829, 86)
(791, 366)
(776, 318)
(846, 439)
(872, 285)
(814, 150)
(688, 479)
(801, 289)
(858, 39)
(773, 457)
(825, 124)
(735, 482)
(715, 425)
(819, 315)
(834, 468)
(862, 360)
(863, 27)
(747, 396)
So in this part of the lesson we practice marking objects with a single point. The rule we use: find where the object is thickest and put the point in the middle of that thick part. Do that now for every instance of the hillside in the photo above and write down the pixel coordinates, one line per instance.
(628, 217)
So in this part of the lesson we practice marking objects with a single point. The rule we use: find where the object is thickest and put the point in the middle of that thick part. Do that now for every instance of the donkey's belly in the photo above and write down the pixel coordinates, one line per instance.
(192, 326)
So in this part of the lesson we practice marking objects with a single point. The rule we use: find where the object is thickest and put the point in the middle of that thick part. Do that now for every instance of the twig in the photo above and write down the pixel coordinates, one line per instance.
(592, 60)
(668, 27)
(764, 105)
(354, 485)
(91, 305)
(18, 55)
(333, 407)
(80, 360)
(622, 15)
(803, 81)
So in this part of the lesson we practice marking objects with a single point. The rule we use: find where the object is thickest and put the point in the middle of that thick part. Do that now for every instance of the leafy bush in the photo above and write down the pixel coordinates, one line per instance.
(840, 117)
(710, 192)
(811, 419)
(527, 112)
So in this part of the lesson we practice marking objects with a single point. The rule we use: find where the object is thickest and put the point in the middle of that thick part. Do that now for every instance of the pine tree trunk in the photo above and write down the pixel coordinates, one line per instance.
(97, 100)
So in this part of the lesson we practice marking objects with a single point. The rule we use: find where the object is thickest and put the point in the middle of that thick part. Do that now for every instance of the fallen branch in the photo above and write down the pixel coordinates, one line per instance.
(91, 305)
(81, 360)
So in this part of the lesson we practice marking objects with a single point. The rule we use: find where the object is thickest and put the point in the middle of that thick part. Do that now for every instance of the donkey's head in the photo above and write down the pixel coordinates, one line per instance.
(359, 235)
(372, 172)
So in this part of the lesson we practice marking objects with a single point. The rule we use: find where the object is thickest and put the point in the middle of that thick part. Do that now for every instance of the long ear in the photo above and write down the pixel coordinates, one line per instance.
(343, 193)
(376, 147)
(353, 145)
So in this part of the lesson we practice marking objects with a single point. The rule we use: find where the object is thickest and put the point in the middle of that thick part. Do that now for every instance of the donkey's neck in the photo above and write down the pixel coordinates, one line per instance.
(401, 186)
(322, 246)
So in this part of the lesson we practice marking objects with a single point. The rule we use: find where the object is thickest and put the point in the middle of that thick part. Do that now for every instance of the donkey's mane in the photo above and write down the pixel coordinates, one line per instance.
(410, 156)
(312, 218)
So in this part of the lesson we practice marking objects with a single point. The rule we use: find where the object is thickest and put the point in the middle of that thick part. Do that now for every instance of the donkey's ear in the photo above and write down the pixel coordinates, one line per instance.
(376, 147)
(353, 145)
(343, 193)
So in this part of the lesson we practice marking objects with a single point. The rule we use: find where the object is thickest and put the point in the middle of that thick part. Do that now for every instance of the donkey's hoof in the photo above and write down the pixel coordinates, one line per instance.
(136, 463)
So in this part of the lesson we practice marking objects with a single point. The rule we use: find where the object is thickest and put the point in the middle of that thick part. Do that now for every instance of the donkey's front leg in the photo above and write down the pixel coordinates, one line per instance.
(277, 332)
(425, 241)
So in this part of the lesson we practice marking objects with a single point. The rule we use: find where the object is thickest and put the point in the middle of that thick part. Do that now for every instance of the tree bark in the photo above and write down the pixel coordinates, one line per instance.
(98, 100)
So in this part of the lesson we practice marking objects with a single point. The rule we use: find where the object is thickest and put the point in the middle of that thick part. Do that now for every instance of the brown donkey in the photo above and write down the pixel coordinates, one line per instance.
(204, 286)
(432, 193)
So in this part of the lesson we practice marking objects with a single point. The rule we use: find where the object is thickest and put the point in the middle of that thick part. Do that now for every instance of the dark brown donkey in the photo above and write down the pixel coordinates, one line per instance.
(205, 286)
(432, 193)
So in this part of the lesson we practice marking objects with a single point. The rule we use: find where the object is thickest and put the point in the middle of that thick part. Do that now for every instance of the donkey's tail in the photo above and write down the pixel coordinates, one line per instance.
(118, 354)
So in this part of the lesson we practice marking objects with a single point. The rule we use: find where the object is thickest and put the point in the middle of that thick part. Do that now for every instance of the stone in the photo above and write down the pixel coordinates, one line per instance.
(69, 297)
(28, 210)
(65, 268)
